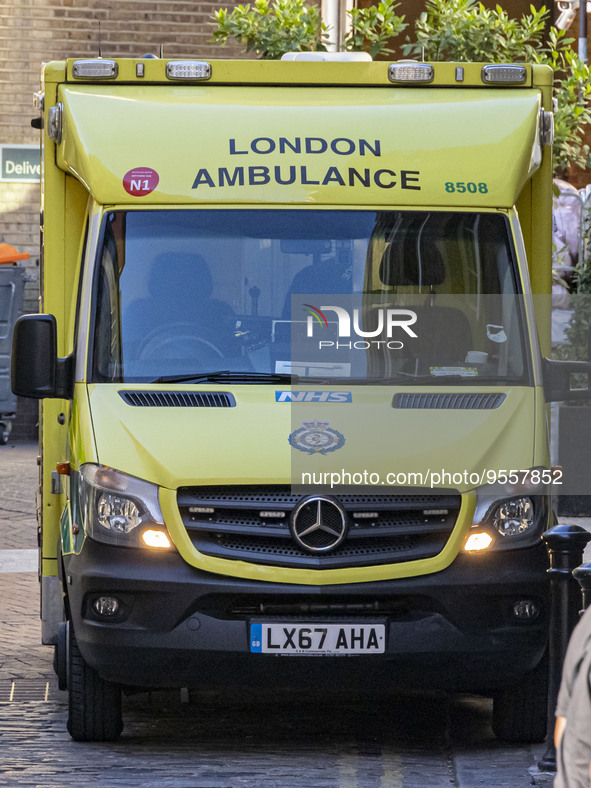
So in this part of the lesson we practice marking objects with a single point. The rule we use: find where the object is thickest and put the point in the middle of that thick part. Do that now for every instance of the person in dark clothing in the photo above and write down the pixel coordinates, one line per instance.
(572, 734)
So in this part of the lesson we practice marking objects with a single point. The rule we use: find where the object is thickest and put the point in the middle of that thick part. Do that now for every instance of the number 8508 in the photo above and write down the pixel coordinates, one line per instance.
(471, 187)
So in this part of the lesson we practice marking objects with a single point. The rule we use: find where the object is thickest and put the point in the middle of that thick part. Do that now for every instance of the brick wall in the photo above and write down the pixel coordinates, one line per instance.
(37, 31)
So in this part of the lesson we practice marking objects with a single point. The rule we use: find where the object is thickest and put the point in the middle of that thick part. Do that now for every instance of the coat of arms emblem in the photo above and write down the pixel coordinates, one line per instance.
(316, 437)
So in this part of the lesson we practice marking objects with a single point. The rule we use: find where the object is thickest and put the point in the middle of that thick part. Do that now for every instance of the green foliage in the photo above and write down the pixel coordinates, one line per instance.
(572, 113)
(464, 30)
(271, 30)
(576, 333)
(373, 27)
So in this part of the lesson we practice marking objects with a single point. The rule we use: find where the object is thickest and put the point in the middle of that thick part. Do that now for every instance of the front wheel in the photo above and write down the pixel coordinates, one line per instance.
(94, 705)
(520, 712)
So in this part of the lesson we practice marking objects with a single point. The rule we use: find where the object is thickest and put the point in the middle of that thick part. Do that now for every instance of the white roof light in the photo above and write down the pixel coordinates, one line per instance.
(188, 69)
(343, 57)
(95, 69)
(411, 72)
(508, 74)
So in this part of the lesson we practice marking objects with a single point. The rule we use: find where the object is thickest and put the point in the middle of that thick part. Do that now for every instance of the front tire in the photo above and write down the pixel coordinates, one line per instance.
(94, 705)
(520, 712)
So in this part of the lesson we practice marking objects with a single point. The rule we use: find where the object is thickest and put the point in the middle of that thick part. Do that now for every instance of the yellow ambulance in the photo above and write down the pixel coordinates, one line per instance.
(293, 378)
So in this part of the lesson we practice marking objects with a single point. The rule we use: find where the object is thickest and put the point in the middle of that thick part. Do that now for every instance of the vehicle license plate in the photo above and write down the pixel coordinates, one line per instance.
(317, 639)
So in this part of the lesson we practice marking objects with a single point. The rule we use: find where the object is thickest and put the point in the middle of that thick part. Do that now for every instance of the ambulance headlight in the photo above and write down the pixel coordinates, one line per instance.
(512, 521)
(118, 514)
(516, 520)
(119, 509)
(513, 517)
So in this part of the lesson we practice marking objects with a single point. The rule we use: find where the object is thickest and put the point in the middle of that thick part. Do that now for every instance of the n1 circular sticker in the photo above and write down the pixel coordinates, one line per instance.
(140, 181)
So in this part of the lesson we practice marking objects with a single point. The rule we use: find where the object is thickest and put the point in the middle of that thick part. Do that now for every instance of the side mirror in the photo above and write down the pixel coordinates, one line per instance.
(36, 371)
(557, 380)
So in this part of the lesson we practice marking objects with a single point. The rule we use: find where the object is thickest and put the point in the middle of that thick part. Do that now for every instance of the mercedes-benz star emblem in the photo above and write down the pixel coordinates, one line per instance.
(318, 525)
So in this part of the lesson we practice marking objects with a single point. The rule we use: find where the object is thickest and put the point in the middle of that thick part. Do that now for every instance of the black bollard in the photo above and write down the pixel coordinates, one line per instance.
(565, 544)
(582, 575)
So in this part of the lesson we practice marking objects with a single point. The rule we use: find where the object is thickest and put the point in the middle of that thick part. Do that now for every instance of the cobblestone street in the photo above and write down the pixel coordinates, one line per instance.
(222, 739)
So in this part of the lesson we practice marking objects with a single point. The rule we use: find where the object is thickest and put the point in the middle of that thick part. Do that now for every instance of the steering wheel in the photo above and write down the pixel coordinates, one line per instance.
(177, 341)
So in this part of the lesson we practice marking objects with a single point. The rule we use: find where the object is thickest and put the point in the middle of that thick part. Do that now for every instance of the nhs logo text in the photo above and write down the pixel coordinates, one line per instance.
(313, 396)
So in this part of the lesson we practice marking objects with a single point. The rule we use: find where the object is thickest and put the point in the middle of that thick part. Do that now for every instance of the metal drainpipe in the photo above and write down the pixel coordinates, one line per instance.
(583, 30)
(335, 17)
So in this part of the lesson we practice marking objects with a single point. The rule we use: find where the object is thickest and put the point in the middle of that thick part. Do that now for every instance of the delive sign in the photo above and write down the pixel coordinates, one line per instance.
(140, 181)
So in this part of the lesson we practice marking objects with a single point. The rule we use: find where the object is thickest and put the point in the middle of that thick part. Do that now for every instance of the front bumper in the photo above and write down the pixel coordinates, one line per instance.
(179, 626)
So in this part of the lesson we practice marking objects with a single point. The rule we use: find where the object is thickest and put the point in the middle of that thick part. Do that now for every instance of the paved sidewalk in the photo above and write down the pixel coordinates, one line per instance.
(19, 476)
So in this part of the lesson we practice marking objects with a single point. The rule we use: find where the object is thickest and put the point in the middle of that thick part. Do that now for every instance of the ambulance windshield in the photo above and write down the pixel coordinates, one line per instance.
(356, 295)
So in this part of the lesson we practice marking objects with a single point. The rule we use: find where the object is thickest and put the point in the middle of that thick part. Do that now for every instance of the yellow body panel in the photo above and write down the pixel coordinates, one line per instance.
(249, 443)
(184, 447)
(242, 139)
(323, 146)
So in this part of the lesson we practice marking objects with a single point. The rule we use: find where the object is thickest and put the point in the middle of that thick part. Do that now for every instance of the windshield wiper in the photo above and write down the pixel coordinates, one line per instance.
(230, 376)
(405, 378)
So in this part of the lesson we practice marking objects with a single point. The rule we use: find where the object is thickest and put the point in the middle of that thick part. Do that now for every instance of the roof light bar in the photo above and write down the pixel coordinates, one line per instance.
(95, 69)
(504, 74)
(411, 72)
(188, 69)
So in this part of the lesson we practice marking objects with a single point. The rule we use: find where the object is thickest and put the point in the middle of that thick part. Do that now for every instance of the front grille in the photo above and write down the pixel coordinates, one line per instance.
(312, 607)
(251, 523)
(456, 401)
(178, 399)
